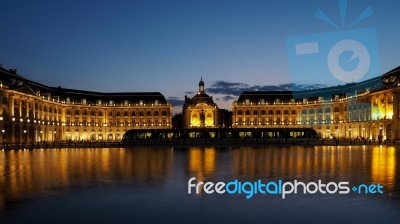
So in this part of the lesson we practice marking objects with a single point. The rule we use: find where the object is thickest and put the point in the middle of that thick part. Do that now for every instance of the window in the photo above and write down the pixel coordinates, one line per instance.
(247, 112)
(286, 112)
(255, 112)
(336, 109)
(278, 111)
(240, 112)
(270, 112)
(286, 121)
(328, 119)
(293, 111)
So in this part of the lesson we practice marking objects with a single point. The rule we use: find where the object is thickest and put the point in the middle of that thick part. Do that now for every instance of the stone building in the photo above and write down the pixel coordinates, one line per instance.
(200, 111)
(33, 112)
(369, 109)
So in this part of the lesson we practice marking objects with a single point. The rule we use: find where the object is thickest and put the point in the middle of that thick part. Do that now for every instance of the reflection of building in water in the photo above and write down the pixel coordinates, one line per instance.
(201, 162)
(384, 165)
(31, 172)
(356, 164)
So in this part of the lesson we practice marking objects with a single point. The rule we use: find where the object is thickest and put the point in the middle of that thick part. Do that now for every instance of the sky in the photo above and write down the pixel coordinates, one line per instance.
(167, 46)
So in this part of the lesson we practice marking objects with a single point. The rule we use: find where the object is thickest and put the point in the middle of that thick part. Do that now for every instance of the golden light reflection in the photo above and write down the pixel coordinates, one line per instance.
(33, 172)
(356, 164)
(384, 165)
(202, 162)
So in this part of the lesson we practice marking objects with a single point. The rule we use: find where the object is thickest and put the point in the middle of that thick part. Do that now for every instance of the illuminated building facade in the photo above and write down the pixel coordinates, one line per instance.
(368, 109)
(200, 111)
(32, 112)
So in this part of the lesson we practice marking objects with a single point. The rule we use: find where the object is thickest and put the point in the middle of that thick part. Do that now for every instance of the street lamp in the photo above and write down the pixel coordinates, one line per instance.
(25, 136)
(4, 134)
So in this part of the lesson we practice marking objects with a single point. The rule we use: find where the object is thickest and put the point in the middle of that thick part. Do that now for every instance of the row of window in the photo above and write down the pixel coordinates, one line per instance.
(113, 103)
(266, 121)
(264, 112)
(120, 113)
(320, 99)
(140, 122)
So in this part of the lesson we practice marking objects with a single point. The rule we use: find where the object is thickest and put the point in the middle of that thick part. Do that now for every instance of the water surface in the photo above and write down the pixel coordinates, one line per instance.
(149, 185)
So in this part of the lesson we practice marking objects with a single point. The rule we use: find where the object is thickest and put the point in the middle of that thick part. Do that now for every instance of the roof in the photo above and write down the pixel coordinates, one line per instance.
(18, 83)
(313, 94)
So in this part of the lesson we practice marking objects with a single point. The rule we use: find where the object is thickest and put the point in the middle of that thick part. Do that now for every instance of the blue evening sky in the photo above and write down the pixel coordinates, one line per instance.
(166, 46)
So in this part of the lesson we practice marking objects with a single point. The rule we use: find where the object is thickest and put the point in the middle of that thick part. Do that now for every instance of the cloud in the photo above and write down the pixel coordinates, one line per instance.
(175, 101)
(189, 93)
(227, 98)
(232, 89)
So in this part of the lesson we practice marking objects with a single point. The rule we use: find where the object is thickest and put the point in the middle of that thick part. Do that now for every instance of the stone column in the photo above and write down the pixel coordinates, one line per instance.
(395, 119)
